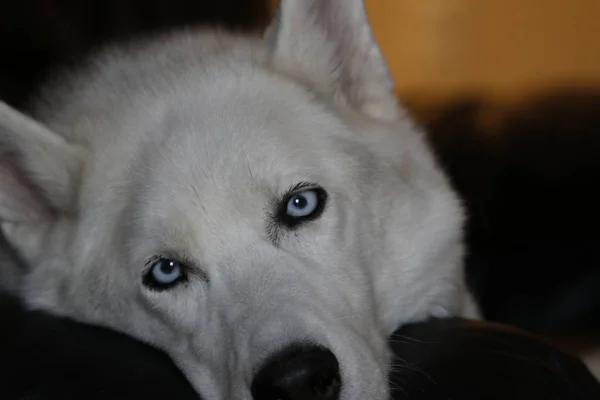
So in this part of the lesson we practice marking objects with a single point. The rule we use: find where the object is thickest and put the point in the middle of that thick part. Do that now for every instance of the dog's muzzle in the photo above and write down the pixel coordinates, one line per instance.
(299, 372)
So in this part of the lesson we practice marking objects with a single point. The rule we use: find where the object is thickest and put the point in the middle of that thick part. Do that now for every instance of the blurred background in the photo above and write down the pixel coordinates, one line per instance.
(508, 91)
(500, 49)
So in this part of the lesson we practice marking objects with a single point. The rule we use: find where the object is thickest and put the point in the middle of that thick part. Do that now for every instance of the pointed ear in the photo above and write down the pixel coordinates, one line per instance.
(39, 170)
(329, 45)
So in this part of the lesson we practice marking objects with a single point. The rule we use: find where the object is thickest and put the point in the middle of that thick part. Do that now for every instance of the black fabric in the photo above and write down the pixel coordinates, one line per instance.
(467, 360)
(43, 357)
(525, 174)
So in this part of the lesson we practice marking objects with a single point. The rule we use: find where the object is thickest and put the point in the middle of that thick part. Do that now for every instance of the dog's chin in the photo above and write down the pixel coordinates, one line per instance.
(365, 370)
(366, 381)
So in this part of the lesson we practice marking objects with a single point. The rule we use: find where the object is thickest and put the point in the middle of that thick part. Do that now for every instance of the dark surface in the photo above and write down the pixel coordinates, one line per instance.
(43, 357)
(527, 176)
(468, 360)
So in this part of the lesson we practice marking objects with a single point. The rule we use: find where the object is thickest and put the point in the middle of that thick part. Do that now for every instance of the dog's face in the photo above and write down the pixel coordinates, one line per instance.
(268, 225)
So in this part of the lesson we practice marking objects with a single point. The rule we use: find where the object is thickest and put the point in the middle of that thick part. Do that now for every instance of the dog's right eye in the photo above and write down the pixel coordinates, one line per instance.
(164, 273)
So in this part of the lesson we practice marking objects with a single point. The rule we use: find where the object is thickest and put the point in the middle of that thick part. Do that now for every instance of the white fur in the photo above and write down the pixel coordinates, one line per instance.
(182, 145)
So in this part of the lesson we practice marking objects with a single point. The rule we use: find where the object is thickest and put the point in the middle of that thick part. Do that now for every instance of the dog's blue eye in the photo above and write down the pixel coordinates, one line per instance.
(164, 273)
(303, 204)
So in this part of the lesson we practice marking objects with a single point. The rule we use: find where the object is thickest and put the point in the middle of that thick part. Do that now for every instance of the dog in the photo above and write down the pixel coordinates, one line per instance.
(260, 208)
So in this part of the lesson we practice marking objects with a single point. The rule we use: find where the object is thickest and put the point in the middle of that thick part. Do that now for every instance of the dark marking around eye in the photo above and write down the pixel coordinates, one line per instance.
(299, 196)
(164, 272)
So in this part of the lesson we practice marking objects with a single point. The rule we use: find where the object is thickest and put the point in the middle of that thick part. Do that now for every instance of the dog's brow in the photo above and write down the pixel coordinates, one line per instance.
(192, 268)
(199, 273)
(180, 254)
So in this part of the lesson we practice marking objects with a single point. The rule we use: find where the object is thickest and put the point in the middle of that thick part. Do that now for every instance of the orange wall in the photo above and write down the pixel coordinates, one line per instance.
(503, 48)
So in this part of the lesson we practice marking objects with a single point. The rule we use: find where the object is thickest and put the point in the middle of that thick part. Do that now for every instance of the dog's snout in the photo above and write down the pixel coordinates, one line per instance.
(299, 372)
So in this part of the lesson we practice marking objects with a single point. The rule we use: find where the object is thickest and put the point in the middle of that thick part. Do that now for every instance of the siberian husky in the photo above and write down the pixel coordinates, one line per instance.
(259, 208)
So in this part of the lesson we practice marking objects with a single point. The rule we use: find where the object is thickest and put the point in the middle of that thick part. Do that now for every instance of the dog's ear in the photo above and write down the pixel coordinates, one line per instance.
(329, 45)
(39, 170)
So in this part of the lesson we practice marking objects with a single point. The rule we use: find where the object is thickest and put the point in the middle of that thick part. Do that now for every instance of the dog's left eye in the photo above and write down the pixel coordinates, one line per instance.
(164, 273)
(302, 205)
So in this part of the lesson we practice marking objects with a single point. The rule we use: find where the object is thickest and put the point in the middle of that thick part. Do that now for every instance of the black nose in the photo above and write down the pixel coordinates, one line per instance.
(299, 373)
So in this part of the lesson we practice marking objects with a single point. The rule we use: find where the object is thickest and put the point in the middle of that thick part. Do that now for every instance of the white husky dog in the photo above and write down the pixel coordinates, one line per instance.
(258, 208)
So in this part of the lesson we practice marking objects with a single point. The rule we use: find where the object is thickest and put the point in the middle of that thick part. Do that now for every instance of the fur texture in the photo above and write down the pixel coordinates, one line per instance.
(183, 147)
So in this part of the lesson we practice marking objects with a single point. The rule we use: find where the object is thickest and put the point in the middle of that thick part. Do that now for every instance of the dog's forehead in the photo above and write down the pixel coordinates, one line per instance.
(223, 161)
(257, 130)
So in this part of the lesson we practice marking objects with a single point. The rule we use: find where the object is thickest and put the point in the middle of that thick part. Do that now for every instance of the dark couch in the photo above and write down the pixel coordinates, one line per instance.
(43, 357)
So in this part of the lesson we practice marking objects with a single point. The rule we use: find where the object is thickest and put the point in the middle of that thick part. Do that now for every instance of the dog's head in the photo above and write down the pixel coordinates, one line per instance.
(265, 215)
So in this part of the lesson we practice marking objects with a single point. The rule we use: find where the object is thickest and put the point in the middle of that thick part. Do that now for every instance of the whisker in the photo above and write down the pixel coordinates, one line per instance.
(399, 364)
